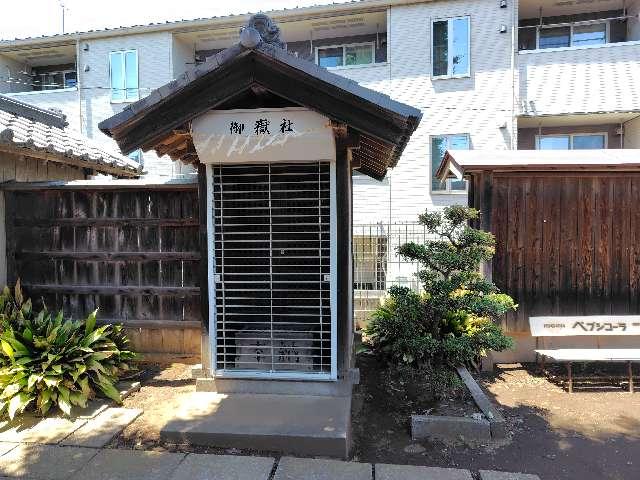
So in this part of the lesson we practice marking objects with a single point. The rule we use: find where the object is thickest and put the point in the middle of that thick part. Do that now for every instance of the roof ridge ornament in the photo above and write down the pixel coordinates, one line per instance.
(261, 28)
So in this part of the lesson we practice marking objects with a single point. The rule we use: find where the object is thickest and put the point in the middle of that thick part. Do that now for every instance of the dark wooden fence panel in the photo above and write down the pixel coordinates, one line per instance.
(567, 244)
(132, 253)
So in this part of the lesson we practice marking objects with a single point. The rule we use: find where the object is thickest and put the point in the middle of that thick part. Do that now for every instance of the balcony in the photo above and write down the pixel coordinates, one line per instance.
(45, 77)
(354, 46)
(576, 61)
(595, 79)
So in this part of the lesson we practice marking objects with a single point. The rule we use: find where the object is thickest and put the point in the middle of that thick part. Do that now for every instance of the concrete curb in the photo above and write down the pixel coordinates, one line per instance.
(496, 420)
(465, 429)
(127, 387)
(452, 429)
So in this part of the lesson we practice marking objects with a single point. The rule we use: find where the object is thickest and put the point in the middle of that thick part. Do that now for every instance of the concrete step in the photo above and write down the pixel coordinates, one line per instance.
(295, 424)
(341, 388)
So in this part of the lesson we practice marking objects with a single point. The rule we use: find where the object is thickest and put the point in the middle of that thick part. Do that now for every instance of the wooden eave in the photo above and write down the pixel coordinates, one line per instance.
(452, 168)
(161, 121)
(67, 160)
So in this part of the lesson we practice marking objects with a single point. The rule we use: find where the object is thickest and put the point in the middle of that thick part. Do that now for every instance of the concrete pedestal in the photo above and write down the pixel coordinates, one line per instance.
(296, 424)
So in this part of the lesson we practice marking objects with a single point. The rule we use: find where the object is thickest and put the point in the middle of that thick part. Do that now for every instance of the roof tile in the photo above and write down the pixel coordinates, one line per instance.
(40, 134)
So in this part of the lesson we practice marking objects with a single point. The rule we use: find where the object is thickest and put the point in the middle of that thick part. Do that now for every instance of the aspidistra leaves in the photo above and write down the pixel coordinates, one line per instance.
(46, 360)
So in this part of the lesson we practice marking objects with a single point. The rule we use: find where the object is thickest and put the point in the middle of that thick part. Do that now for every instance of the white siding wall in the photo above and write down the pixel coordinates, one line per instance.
(589, 80)
(476, 105)
(154, 70)
(370, 197)
(182, 56)
(633, 23)
(632, 133)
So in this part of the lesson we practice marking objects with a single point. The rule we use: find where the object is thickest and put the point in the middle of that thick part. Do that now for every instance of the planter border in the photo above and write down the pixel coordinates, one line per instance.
(470, 430)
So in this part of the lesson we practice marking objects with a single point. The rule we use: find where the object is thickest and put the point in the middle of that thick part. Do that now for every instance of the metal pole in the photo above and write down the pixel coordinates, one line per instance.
(62, 6)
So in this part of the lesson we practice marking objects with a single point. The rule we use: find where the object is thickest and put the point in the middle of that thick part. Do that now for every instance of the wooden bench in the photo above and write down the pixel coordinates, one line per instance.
(590, 325)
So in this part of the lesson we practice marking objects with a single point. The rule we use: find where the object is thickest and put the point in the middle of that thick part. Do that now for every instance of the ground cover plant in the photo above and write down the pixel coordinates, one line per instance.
(47, 360)
(454, 321)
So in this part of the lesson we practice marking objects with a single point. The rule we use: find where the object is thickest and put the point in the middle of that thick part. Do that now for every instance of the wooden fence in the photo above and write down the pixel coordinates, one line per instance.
(129, 249)
(567, 244)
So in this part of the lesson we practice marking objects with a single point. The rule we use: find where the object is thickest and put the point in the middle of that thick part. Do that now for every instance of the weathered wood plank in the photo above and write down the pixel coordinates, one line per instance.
(576, 248)
(108, 256)
(132, 254)
(112, 290)
(104, 221)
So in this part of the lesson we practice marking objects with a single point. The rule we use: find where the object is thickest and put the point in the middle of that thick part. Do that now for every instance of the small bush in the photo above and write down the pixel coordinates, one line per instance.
(49, 361)
(454, 321)
(397, 329)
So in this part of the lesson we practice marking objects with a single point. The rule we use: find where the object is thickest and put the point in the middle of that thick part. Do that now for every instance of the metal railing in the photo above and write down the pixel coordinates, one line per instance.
(377, 265)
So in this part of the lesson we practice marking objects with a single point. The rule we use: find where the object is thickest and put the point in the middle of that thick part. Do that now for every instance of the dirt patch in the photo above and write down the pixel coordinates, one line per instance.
(159, 397)
(163, 388)
(383, 404)
(591, 434)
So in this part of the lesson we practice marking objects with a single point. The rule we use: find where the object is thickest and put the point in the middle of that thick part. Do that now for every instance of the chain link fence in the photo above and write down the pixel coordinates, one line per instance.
(377, 265)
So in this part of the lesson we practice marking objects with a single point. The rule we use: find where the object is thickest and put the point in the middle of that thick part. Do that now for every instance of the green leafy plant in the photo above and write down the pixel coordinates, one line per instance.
(47, 360)
(455, 320)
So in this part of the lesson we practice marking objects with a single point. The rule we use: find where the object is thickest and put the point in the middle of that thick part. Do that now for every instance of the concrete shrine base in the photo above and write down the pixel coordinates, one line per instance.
(296, 424)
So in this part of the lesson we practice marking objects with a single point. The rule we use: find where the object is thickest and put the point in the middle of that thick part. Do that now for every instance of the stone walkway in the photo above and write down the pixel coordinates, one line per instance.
(30, 461)
(58, 448)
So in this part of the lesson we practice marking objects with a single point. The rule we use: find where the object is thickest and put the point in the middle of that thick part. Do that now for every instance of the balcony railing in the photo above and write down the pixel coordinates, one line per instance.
(576, 80)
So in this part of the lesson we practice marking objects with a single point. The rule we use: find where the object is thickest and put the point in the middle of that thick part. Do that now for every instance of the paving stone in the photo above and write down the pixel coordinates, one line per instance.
(93, 408)
(226, 467)
(414, 448)
(129, 465)
(50, 430)
(99, 431)
(6, 447)
(291, 468)
(46, 462)
(494, 475)
(409, 472)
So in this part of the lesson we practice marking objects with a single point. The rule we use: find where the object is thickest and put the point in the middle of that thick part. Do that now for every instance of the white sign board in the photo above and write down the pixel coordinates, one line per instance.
(585, 325)
(262, 135)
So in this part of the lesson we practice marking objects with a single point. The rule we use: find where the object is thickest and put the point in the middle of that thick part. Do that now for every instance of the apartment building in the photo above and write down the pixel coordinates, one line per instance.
(487, 74)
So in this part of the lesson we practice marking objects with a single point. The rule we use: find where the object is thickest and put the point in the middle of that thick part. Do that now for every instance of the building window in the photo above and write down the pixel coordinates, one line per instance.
(572, 35)
(54, 80)
(136, 156)
(576, 141)
(346, 55)
(451, 46)
(123, 71)
(439, 145)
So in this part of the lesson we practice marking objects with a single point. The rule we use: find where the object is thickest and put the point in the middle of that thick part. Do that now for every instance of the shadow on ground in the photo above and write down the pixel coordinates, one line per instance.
(586, 435)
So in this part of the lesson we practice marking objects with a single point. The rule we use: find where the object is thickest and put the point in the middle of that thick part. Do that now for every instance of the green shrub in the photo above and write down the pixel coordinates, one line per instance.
(455, 321)
(398, 331)
(47, 361)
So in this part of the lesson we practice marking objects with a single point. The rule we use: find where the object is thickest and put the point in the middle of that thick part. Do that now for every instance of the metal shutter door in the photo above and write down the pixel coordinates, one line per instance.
(272, 267)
